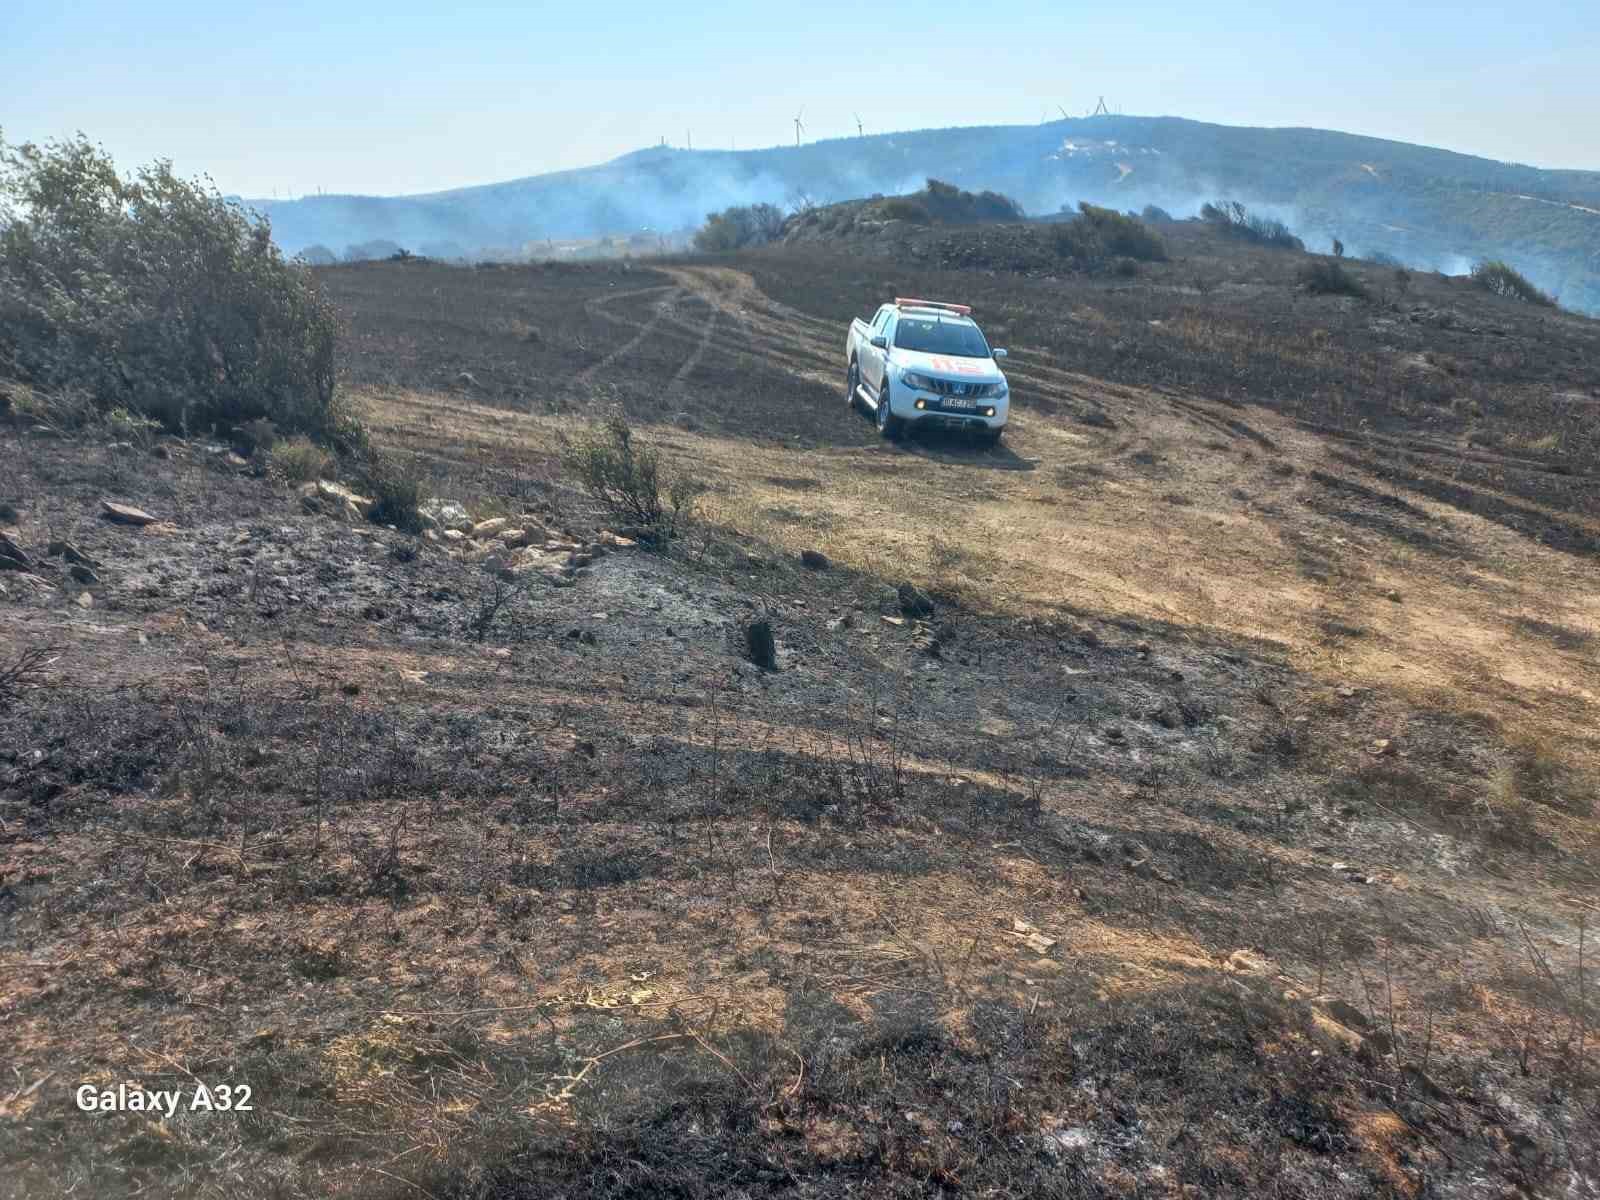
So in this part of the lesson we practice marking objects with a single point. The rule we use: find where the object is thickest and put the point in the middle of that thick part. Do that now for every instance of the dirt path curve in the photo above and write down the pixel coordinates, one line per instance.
(661, 313)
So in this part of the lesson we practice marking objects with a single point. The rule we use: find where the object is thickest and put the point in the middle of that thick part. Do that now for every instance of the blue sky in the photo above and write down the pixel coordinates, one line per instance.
(407, 96)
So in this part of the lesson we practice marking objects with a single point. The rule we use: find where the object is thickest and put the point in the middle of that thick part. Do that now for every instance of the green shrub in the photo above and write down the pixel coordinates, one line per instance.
(1077, 240)
(65, 409)
(946, 203)
(1235, 220)
(396, 491)
(1123, 235)
(1502, 279)
(904, 208)
(125, 426)
(300, 460)
(1153, 212)
(740, 226)
(1098, 236)
(624, 478)
(1327, 277)
(155, 294)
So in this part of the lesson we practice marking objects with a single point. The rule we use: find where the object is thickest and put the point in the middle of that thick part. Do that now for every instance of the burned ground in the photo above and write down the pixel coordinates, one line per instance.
(1227, 826)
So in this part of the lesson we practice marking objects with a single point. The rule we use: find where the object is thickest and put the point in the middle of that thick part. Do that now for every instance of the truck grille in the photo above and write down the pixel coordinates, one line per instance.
(949, 387)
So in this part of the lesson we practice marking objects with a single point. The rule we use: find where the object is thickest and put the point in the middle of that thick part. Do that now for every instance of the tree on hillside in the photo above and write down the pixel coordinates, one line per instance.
(156, 294)
(740, 226)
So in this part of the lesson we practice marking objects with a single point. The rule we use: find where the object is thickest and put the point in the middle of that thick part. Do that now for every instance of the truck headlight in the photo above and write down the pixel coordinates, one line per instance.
(996, 390)
(921, 382)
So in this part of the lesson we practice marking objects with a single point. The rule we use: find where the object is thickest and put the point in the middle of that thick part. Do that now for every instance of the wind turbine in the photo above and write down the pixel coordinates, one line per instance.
(798, 127)
(858, 126)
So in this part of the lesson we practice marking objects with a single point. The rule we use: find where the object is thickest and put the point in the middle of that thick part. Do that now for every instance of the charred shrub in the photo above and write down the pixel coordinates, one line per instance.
(1233, 219)
(1327, 277)
(1502, 279)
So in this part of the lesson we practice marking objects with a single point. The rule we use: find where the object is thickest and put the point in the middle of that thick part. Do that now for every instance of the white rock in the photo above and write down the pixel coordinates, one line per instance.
(340, 496)
(125, 514)
(446, 514)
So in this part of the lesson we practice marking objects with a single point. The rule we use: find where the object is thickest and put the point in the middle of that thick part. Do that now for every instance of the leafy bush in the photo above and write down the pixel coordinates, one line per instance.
(904, 208)
(1154, 212)
(624, 478)
(1327, 277)
(396, 491)
(155, 294)
(1382, 258)
(1235, 220)
(300, 460)
(1502, 279)
(65, 409)
(1099, 235)
(1123, 235)
(124, 426)
(740, 226)
(949, 204)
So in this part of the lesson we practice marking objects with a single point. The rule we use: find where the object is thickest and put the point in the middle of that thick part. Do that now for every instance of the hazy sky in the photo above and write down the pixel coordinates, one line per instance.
(354, 96)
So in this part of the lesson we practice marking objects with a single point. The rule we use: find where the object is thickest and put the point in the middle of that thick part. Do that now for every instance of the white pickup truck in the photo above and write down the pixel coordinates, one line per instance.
(926, 362)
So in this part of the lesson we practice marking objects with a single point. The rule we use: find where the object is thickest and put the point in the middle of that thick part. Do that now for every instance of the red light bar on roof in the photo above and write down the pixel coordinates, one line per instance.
(907, 302)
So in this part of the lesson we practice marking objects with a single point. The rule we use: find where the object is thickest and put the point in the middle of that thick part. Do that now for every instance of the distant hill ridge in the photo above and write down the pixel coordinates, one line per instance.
(1431, 208)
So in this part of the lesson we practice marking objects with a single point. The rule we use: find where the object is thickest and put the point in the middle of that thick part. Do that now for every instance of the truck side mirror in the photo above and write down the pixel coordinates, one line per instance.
(881, 342)
(1000, 353)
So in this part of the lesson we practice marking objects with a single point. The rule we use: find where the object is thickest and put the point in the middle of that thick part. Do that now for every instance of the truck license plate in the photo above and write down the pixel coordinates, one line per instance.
(958, 406)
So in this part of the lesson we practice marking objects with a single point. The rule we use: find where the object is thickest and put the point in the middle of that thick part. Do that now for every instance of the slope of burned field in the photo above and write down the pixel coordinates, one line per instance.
(1180, 799)
(1500, 392)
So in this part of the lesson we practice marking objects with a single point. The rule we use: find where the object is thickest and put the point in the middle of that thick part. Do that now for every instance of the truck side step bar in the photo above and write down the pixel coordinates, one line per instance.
(872, 401)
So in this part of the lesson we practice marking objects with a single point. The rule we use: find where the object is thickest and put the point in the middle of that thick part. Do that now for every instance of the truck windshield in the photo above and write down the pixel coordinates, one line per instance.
(934, 335)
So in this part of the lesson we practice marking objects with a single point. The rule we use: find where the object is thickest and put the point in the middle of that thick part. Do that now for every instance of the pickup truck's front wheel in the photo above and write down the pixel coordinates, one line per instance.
(888, 423)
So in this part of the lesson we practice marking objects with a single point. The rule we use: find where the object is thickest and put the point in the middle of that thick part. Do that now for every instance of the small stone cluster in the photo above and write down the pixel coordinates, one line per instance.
(511, 547)
(514, 547)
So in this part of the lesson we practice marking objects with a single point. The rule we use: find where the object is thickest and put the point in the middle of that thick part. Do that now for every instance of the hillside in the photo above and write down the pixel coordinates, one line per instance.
(1431, 208)
(1192, 796)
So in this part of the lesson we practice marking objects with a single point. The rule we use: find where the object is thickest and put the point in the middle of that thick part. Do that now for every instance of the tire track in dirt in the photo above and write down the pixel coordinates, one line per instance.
(774, 334)
(598, 304)
(661, 313)
(1229, 426)
(708, 329)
